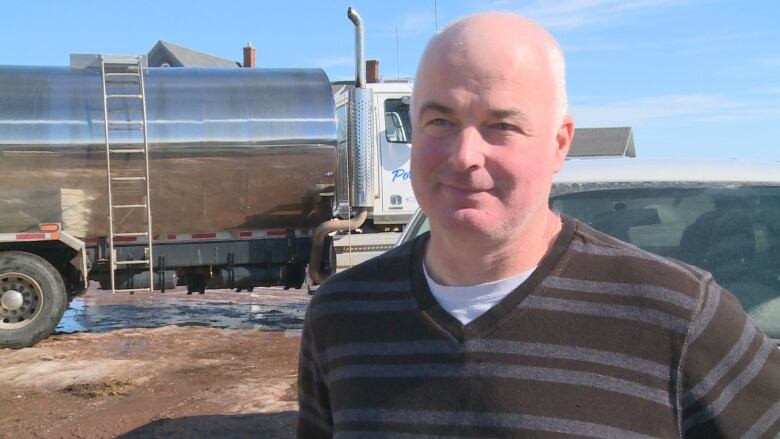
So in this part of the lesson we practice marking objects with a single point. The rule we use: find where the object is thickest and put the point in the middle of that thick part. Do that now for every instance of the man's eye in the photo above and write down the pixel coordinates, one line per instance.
(439, 127)
(439, 122)
(503, 126)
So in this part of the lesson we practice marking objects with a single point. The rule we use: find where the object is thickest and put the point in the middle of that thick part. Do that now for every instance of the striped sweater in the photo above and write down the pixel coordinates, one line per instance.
(604, 340)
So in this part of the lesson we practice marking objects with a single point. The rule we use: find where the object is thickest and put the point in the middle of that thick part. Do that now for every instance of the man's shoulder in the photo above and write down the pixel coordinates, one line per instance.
(601, 275)
(602, 253)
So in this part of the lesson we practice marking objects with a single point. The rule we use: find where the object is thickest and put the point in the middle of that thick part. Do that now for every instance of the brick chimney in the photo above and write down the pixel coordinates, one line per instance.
(249, 55)
(372, 70)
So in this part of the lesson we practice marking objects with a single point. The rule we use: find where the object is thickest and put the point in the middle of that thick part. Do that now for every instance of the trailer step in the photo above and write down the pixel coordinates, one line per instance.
(127, 206)
(128, 178)
(127, 151)
(127, 143)
(124, 60)
(124, 97)
(126, 122)
(131, 262)
(122, 74)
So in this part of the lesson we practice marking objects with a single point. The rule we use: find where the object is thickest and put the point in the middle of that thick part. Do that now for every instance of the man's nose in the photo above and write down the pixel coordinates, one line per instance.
(467, 152)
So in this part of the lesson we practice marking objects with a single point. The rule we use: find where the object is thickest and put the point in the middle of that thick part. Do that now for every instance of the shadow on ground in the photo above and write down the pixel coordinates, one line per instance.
(264, 425)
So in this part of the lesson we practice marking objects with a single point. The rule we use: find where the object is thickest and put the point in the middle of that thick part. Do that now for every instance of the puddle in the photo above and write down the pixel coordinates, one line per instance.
(87, 316)
(69, 322)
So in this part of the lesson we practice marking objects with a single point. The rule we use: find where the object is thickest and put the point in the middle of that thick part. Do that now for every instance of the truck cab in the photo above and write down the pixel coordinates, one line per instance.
(394, 201)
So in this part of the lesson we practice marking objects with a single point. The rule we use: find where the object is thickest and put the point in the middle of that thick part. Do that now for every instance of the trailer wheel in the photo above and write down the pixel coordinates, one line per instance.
(32, 299)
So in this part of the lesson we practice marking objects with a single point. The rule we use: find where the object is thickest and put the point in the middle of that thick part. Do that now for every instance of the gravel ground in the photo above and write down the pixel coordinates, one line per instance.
(221, 364)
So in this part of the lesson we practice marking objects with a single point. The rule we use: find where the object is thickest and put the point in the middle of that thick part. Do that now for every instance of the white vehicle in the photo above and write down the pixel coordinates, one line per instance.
(395, 203)
(723, 216)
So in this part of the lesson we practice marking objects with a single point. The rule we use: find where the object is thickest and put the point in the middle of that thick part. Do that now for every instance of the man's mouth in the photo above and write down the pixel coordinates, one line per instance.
(465, 189)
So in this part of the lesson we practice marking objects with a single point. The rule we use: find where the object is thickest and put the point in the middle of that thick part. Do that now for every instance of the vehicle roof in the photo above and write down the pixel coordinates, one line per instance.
(625, 169)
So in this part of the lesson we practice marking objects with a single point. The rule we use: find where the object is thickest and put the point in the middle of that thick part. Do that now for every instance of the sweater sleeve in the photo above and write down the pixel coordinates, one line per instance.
(729, 374)
(314, 415)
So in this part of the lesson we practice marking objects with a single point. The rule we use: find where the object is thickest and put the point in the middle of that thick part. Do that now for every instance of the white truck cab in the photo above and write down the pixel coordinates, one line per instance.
(394, 201)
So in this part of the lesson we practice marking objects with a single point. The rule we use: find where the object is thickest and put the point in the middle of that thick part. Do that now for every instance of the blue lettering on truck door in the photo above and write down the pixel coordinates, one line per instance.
(401, 174)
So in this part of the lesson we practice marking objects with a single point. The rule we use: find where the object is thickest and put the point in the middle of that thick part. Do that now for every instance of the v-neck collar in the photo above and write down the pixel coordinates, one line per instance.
(492, 317)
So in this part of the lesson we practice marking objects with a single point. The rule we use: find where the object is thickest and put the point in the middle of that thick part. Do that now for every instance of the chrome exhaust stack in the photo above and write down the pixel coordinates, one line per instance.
(361, 140)
(360, 48)
(361, 124)
(360, 52)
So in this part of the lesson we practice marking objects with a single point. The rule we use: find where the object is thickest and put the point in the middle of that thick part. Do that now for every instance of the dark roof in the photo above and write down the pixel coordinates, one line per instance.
(178, 56)
(590, 142)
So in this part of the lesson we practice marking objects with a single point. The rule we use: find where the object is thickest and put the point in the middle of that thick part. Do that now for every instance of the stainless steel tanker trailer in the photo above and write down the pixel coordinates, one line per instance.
(148, 178)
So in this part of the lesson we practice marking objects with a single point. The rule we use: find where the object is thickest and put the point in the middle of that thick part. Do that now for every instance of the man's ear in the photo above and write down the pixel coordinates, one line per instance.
(563, 138)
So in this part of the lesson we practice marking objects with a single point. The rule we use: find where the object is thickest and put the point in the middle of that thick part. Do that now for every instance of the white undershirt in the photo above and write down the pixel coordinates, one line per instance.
(469, 302)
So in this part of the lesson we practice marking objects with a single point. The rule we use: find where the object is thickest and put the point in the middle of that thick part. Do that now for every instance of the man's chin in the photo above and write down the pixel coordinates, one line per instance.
(469, 222)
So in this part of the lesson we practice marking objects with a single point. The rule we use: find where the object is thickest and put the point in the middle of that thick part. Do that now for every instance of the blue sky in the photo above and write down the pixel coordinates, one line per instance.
(692, 77)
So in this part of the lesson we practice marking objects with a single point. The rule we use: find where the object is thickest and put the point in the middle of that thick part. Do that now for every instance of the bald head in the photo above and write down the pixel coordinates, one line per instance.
(490, 131)
(499, 45)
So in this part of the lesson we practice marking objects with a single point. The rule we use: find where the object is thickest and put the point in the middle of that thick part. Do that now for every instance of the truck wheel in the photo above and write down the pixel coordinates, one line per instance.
(32, 299)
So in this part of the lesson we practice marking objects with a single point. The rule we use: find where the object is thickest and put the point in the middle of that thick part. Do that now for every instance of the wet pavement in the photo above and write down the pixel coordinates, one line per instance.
(273, 309)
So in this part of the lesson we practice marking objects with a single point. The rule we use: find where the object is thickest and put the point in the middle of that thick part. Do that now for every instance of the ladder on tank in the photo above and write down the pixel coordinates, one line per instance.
(124, 109)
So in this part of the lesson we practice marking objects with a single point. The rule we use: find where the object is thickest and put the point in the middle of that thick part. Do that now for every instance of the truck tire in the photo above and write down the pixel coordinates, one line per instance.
(32, 299)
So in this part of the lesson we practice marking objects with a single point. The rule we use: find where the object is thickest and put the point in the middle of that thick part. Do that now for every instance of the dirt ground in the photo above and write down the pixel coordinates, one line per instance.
(185, 380)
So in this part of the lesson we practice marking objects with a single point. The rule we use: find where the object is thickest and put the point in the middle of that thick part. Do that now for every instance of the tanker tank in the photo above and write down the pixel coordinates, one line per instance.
(229, 149)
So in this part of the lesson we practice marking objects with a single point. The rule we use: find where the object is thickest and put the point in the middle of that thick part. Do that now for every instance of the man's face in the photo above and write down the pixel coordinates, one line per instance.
(486, 142)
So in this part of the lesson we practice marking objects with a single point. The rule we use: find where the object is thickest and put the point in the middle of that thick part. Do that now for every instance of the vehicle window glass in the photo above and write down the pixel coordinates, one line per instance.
(398, 127)
(419, 227)
(731, 231)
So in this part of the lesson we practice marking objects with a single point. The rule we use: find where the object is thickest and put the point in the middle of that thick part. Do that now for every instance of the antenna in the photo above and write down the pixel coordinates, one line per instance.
(435, 16)
(397, 63)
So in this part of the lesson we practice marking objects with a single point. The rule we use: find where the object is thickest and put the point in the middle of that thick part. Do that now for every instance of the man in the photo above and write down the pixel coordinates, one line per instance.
(507, 320)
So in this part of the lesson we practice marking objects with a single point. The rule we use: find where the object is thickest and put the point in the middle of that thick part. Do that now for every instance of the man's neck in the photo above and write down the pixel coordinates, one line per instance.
(452, 260)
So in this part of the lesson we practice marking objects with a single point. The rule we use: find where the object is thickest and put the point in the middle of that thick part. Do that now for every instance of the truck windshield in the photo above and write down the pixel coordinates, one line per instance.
(732, 231)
